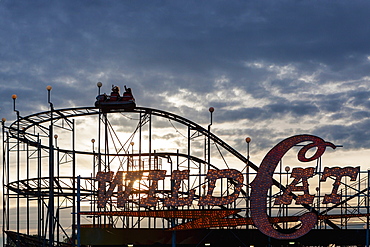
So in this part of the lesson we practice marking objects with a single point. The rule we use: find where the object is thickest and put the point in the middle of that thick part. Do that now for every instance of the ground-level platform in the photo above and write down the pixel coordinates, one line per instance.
(216, 237)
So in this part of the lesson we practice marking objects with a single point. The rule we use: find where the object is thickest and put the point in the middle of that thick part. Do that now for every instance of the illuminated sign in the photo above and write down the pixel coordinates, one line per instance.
(263, 181)
(174, 200)
(156, 175)
(123, 182)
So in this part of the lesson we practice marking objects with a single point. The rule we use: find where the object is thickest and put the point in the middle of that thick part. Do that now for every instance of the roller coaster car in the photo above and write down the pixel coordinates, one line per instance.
(115, 101)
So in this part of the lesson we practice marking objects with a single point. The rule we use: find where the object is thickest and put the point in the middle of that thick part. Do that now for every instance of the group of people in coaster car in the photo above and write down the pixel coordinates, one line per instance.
(115, 97)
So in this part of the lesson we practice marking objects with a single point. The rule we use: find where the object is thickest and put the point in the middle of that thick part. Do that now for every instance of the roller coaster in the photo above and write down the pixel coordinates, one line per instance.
(58, 165)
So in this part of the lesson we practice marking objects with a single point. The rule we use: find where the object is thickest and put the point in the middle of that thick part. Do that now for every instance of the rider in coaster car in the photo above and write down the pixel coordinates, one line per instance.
(114, 96)
(127, 95)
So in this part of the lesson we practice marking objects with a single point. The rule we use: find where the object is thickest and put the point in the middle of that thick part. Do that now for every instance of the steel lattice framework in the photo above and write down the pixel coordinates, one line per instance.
(47, 184)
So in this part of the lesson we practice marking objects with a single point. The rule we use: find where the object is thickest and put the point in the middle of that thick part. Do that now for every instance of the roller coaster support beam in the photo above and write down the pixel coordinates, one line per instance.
(51, 173)
(51, 187)
(78, 211)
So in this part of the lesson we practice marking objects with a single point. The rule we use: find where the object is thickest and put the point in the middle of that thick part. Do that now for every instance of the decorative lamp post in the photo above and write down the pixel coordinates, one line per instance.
(99, 84)
(211, 110)
(247, 140)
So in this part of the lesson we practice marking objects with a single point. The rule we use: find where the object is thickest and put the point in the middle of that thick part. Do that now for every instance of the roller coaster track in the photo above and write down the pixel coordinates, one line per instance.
(18, 129)
(40, 186)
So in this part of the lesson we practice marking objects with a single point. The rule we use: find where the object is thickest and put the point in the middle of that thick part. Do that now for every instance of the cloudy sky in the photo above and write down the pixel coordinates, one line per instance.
(271, 69)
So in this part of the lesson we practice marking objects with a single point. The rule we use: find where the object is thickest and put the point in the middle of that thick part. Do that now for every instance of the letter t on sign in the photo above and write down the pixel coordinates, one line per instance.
(338, 173)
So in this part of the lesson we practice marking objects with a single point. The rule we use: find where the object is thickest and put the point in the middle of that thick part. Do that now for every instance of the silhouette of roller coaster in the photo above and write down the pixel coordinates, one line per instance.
(51, 161)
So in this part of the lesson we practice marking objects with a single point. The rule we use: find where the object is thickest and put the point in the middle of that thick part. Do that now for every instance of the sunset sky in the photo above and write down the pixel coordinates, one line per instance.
(271, 69)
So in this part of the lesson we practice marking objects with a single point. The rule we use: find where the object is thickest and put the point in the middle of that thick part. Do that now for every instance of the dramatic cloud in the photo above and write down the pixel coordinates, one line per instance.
(271, 69)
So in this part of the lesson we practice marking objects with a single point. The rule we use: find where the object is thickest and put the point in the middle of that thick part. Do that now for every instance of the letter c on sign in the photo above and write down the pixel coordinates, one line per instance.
(263, 181)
